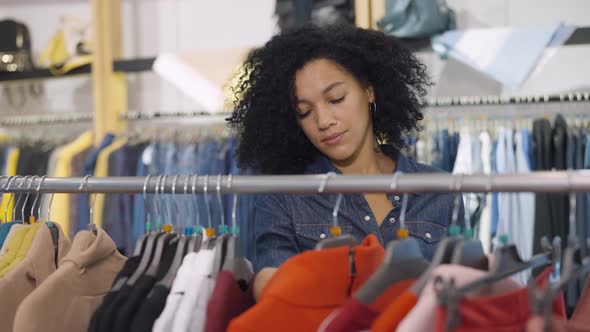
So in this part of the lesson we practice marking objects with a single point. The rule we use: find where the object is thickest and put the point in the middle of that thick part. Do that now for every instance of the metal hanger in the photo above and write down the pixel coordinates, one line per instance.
(162, 243)
(197, 235)
(52, 228)
(84, 187)
(468, 252)
(240, 268)
(221, 241)
(150, 245)
(403, 260)
(140, 244)
(181, 242)
(22, 211)
(18, 187)
(37, 195)
(336, 239)
(10, 181)
(210, 242)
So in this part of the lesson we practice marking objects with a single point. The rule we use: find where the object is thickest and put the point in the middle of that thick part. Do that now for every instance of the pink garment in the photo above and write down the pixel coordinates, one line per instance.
(428, 303)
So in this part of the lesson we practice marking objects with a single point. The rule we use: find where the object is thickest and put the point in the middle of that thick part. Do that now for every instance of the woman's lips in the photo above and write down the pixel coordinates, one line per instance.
(333, 139)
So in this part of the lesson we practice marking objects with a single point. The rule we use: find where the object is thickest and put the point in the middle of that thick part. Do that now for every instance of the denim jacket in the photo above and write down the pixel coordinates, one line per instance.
(288, 224)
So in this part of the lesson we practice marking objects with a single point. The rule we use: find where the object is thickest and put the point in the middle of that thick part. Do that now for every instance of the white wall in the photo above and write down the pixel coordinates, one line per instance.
(149, 27)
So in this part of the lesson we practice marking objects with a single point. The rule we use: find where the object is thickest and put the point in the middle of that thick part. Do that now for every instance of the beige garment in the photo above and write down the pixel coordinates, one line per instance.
(69, 297)
(36, 267)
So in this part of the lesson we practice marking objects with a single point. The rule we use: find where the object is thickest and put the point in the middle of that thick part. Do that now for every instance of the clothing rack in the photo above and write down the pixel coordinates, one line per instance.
(582, 96)
(45, 119)
(559, 181)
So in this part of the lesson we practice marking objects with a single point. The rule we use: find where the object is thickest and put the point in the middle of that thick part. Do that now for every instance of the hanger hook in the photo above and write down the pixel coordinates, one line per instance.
(19, 186)
(176, 202)
(324, 182)
(146, 209)
(29, 187)
(393, 187)
(157, 199)
(234, 202)
(220, 199)
(205, 188)
(194, 199)
(572, 237)
(187, 201)
(37, 194)
(163, 198)
(10, 181)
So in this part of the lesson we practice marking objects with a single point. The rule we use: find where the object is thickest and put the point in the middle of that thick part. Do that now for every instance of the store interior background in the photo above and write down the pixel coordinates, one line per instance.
(152, 27)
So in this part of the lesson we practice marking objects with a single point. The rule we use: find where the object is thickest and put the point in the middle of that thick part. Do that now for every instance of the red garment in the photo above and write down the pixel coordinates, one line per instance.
(395, 312)
(502, 313)
(557, 324)
(227, 301)
(308, 287)
(354, 315)
(581, 314)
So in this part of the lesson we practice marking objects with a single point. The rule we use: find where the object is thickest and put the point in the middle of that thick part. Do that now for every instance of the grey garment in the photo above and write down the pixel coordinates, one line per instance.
(288, 224)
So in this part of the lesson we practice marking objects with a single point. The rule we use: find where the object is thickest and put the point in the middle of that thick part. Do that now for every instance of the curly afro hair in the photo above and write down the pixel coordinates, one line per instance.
(270, 138)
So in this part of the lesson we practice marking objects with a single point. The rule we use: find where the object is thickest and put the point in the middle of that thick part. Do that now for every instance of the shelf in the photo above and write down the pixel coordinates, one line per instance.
(122, 66)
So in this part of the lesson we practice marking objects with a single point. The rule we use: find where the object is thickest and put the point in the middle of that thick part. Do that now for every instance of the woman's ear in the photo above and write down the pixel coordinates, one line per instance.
(370, 93)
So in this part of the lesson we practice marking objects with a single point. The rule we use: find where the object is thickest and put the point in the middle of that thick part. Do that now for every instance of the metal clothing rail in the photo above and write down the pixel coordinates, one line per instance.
(583, 96)
(562, 181)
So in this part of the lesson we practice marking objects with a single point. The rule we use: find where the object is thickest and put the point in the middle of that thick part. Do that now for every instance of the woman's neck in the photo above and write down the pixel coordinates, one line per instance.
(367, 161)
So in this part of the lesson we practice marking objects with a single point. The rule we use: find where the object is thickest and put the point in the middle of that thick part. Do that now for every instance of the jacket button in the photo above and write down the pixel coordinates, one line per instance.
(392, 220)
(367, 218)
(396, 198)
(428, 236)
(322, 236)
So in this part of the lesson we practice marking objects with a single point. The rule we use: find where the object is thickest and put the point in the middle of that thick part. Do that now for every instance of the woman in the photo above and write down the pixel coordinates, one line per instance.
(337, 99)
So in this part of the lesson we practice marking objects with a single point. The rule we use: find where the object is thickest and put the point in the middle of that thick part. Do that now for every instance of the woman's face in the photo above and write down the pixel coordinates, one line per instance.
(333, 109)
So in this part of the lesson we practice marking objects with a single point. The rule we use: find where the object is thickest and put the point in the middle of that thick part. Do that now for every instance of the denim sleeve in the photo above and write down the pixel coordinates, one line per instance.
(274, 232)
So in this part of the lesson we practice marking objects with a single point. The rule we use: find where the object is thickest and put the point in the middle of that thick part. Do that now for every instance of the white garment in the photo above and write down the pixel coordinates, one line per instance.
(464, 165)
(485, 220)
(201, 269)
(197, 323)
(509, 222)
(525, 225)
(421, 152)
(182, 283)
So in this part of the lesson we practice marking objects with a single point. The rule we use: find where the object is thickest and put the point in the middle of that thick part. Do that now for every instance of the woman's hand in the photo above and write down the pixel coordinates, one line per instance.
(262, 279)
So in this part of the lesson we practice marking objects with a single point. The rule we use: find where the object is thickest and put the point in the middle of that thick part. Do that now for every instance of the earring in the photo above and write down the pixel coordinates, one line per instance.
(373, 107)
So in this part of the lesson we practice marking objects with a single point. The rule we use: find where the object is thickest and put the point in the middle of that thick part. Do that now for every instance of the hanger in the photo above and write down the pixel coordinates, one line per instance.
(183, 242)
(54, 231)
(403, 260)
(240, 268)
(444, 251)
(468, 252)
(210, 231)
(18, 187)
(22, 210)
(337, 239)
(32, 217)
(140, 244)
(574, 265)
(148, 252)
(84, 187)
(163, 241)
(221, 242)
(197, 235)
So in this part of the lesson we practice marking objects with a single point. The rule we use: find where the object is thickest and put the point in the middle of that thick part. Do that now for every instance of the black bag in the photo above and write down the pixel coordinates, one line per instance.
(15, 47)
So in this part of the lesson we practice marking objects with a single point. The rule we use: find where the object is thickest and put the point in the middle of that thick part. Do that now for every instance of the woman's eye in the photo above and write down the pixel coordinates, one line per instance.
(304, 113)
(337, 101)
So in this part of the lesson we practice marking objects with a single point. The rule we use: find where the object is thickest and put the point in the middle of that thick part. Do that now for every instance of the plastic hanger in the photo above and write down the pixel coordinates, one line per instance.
(183, 241)
(337, 239)
(20, 195)
(444, 250)
(22, 210)
(140, 244)
(197, 235)
(19, 186)
(469, 252)
(163, 241)
(403, 260)
(574, 265)
(150, 245)
(210, 231)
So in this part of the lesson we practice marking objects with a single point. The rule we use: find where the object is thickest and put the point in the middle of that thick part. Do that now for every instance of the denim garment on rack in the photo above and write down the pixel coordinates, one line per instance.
(139, 214)
(441, 155)
(83, 208)
(205, 166)
(587, 166)
(287, 224)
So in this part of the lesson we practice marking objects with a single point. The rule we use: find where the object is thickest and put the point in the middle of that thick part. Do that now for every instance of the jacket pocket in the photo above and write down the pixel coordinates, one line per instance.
(308, 234)
(428, 235)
